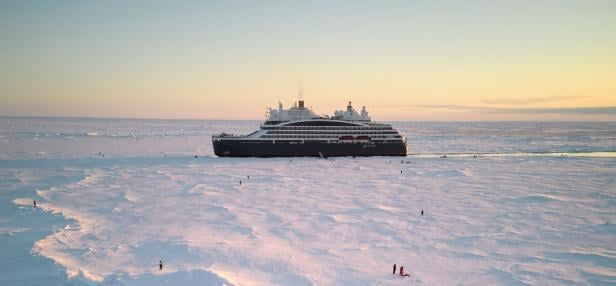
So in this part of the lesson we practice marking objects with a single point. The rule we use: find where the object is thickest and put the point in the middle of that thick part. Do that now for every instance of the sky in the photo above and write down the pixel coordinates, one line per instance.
(403, 60)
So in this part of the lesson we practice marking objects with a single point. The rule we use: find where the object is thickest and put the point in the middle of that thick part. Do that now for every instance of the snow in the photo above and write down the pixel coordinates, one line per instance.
(505, 218)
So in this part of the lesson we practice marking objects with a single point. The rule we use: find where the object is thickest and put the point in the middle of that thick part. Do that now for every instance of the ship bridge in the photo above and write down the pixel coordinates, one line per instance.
(299, 112)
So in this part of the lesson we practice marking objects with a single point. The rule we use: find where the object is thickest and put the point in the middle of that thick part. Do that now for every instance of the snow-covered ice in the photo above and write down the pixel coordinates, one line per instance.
(505, 218)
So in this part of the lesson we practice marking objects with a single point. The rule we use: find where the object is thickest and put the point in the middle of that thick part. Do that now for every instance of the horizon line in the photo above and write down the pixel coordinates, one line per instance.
(218, 119)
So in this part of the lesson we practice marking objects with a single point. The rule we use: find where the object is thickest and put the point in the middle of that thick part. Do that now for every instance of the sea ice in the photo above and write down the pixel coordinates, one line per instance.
(493, 221)
(537, 207)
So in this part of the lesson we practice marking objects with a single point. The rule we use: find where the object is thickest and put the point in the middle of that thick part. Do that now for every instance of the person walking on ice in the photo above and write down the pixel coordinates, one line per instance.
(160, 265)
(394, 272)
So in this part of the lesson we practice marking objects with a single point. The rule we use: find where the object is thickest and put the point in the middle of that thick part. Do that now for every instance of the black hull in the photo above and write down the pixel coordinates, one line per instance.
(268, 148)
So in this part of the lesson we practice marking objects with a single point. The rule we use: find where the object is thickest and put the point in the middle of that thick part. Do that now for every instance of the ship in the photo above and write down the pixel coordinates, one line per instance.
(299, 132)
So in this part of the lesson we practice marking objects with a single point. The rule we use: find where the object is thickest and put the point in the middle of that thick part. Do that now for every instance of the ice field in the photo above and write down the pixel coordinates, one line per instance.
(538, 207)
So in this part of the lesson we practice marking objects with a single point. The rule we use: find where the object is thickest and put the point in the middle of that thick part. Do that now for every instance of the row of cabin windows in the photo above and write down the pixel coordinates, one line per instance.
(331, 132)
(328, 127)
(303, 136)
(321, 136)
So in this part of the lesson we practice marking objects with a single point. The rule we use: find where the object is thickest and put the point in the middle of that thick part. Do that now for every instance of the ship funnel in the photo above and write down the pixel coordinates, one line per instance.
(301, 104)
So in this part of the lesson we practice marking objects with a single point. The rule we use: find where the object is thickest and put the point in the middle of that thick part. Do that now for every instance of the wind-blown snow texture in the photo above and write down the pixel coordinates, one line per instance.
(501, 219)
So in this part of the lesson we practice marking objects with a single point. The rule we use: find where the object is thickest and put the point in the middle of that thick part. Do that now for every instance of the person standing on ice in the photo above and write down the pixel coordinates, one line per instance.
(34, 203)
(160, 265)
(394, 272)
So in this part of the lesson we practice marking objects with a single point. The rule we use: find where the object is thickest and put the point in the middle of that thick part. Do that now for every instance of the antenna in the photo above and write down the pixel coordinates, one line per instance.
(300, 88)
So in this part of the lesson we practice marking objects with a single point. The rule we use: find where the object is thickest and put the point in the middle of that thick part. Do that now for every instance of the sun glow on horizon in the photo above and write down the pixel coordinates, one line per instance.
(411, 60)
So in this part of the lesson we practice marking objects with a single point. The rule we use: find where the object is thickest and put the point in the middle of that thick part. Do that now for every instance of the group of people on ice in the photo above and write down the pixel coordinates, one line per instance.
(401, 271)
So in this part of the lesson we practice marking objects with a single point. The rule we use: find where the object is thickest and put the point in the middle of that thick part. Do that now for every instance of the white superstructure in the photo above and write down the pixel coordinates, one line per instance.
(300, 112)
(350, 114)
(299, 123)
(297, 112)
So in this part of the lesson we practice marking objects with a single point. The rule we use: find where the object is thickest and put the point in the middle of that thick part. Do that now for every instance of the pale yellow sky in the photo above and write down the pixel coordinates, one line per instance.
(403, 60)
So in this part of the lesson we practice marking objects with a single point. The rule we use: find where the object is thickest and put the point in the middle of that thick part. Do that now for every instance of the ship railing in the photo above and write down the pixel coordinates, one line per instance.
(227, 135)
(286, 127)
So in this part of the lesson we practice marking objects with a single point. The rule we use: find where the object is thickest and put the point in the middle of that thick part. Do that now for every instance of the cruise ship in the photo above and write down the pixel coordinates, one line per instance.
(298, 131)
